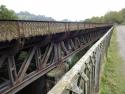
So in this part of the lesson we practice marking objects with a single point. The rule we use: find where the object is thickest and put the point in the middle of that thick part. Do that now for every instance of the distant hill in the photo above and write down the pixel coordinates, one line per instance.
(24, 15)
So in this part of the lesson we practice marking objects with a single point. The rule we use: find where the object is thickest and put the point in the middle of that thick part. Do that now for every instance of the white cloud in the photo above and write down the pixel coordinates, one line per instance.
(62, 9)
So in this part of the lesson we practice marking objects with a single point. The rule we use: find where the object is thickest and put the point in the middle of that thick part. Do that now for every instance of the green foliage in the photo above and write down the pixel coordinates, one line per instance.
(113, 17)
(110, 17)
(77, 57)
(122, 12)
(6, 14)
(93, 20)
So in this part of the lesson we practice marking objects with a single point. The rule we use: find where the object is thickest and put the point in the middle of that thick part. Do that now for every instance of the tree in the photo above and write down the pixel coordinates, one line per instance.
(113, 17)
(94, 20)
(122, 12)
(6, 14)
(110, 17)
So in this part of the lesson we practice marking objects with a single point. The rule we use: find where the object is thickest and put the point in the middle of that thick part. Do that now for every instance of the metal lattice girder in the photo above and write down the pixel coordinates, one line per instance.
(25, 65)
(74, 88)
(84, 76)
(44, 58)
(88, 62)
(12, 70)
(38, 58)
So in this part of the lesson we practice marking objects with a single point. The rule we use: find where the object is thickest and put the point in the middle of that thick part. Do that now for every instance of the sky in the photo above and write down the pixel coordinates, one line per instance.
(73, 10)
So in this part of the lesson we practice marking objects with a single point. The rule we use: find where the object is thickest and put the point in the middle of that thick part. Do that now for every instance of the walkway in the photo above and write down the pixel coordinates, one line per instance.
(121, 44)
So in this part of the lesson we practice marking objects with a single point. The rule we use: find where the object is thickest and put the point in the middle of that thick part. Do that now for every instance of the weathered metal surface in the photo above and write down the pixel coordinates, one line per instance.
(15, 29)
(23, 61)
(83, 78)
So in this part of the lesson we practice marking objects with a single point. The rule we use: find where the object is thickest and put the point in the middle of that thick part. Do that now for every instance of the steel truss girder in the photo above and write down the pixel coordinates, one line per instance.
(55, 53)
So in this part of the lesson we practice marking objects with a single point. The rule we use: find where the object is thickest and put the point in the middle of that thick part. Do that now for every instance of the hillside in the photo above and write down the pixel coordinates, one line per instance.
(24, 15)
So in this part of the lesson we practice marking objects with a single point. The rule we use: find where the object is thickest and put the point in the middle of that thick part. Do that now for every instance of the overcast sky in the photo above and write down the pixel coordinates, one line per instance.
(65, 9)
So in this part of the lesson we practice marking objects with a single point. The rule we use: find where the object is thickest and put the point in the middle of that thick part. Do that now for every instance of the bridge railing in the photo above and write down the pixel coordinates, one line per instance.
(84, 76)
(14, 29)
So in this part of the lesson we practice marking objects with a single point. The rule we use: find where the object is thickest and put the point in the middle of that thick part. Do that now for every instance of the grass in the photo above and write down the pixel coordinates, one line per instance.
(112, 79)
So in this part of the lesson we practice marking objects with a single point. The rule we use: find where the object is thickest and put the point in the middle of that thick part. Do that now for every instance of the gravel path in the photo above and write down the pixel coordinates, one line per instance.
(121, 44)
(121, 40)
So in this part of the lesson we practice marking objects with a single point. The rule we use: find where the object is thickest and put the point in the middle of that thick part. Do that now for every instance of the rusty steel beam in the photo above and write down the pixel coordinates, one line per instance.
(25, 65)
(41, 59)
(83, 77)
(26, 29)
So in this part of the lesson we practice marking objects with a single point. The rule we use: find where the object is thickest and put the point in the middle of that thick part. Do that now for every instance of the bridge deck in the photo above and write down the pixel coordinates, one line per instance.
(36, 48)
(15, 29)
